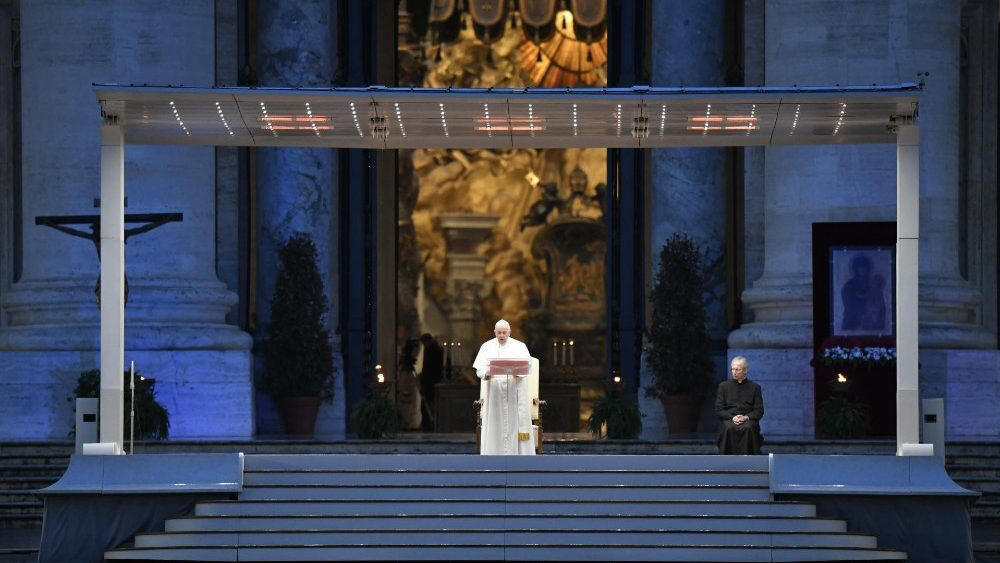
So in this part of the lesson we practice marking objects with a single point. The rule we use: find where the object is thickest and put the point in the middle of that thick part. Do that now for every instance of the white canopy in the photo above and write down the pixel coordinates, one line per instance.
(377, 117)
(393, 118)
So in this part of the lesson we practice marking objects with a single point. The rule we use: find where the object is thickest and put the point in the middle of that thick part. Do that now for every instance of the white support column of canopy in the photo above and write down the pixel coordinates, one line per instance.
(112, 282)
(907, 248)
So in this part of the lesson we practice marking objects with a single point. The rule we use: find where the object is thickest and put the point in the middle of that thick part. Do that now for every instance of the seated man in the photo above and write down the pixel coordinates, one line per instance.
(739, 406)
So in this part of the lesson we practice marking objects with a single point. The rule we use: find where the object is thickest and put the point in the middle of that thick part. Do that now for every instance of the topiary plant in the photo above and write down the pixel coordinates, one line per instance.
(151, 420)
(298, 356)
(620, 415)
(376, 417)
(841, 417)
(678, 342)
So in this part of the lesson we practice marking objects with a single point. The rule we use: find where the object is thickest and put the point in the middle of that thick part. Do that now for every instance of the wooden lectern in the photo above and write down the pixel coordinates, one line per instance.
(513, 368)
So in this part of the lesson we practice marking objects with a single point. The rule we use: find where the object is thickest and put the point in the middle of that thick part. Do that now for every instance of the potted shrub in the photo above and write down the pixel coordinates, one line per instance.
(151, 420)
(298, 357)
(376, 416)
(841, 417)
(618, 417)
(677, 340)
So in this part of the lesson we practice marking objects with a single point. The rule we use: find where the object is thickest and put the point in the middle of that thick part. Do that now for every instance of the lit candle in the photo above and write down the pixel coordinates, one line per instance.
(571, 352)
(563, 352)
(555, 350)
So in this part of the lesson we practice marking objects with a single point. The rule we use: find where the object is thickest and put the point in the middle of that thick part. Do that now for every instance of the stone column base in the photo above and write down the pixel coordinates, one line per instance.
(969, 382)
(786, 381)
(208, 393)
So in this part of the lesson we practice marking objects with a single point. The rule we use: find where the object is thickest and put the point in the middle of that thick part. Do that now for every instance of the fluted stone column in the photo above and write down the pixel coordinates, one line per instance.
(814, 43)
(688, 193)
(297, 188)
(175, 318)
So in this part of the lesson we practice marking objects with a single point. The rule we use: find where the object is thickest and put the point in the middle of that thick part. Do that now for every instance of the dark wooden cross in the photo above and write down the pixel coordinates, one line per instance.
(149, 222)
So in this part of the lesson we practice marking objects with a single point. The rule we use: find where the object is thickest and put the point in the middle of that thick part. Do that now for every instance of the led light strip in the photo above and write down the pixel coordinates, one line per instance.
(753, 116)
(795, 120)
(399, 120)
(312, 122)
(489, 126)
(531, 119)
(222, 118)
(575, 124)
(840, 120)
(708, 113)
(618, 117)
(267, 121)
(354, 115)
(444, 122)
(663, 118)
(177, 116)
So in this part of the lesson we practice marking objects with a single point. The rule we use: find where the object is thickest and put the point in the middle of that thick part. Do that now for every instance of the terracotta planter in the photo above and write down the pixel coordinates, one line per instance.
(299, 414)
(682, 412)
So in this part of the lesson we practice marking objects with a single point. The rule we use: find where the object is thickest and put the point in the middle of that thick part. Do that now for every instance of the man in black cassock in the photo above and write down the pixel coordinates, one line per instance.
(739, 406)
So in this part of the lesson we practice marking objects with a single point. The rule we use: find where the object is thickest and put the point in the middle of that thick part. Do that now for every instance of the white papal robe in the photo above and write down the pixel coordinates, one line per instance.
(506, 413)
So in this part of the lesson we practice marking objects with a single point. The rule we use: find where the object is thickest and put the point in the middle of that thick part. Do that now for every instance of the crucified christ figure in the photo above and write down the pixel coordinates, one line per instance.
(150, 221)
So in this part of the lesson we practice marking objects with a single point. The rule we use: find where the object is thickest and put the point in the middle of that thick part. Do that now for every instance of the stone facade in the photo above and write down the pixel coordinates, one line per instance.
(175, 320)
(181, 320)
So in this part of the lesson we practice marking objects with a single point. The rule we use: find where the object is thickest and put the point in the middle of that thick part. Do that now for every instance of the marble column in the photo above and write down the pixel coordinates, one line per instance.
(175, 319)
(688, 192)
(297, 187)
(876, 41)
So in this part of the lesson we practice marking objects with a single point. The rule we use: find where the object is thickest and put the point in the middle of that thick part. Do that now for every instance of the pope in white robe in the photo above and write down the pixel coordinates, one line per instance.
(506, 410)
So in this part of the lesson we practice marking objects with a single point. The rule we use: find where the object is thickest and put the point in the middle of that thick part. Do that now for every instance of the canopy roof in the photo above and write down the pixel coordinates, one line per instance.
(379, 117)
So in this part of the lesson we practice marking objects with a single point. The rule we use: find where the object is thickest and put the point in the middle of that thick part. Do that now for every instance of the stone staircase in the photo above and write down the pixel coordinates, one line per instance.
(976, 466)
(553, 507)
(25, 468)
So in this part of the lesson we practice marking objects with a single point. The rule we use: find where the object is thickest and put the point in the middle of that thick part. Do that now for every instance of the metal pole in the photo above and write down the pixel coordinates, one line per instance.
(112, 281)
(131, 416)
(907, 277)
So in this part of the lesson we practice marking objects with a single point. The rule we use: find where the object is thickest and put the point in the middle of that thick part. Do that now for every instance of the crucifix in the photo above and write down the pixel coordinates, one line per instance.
(149, 222)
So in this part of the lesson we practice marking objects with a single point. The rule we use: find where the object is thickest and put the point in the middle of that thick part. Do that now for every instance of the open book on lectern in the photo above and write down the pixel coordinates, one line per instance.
(500, 367)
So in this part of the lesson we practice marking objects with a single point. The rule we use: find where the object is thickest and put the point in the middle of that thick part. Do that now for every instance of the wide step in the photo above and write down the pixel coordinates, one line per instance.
(507, 553)
(503, 508)
(459, 523)
(494, 537)
(537, 494)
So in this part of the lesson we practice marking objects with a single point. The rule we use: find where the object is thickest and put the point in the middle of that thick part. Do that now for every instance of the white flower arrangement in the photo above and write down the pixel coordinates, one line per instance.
(859, 356)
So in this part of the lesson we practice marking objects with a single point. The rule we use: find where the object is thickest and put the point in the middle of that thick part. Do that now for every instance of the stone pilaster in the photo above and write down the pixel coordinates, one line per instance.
(175, 319)
(688, 192)
(297, 188)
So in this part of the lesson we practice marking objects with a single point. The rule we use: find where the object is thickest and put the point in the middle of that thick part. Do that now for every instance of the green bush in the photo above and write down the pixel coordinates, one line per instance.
(678, 343)
(298, 356)
(151, 420)
(376, 417)
(621, 415)
(841, 417)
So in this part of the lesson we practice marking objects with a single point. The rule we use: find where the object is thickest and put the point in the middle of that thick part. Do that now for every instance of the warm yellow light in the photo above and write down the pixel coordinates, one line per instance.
(841, 378)
(378, 367)
(381, 378)
(618, 379)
